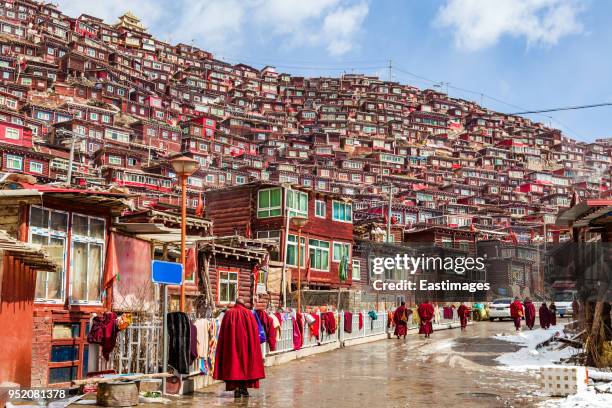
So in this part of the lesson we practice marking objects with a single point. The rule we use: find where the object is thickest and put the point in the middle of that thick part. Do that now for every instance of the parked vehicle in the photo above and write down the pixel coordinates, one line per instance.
(500, 309)
(563, 300)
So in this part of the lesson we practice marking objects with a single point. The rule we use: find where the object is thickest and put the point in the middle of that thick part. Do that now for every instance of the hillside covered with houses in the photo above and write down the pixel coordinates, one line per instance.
(92, 113)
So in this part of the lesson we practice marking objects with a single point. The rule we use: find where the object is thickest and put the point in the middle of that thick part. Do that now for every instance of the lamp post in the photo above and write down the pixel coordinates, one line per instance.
(183, 167)
(299, 222)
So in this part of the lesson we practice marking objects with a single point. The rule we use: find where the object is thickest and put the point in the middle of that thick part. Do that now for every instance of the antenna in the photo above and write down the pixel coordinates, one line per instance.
(390, 70)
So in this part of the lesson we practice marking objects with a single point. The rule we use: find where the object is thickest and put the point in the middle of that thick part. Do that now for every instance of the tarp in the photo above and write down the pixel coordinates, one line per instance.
(133, 290)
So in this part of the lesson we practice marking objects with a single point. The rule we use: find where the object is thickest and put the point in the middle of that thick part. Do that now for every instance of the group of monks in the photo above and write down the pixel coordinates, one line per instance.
(547, 314)
(426, 312)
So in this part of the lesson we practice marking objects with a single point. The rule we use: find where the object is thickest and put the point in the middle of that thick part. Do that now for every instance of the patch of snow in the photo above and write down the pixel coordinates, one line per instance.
(586, 399)
(528, 358)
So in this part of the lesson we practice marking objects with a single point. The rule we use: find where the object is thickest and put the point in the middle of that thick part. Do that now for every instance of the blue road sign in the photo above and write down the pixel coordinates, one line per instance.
(168, 273)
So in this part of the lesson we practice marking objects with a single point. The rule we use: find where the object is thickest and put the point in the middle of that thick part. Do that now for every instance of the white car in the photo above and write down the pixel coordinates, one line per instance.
(500, 309)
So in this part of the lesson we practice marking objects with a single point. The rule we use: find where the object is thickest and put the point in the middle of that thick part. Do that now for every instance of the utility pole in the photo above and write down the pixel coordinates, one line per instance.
(74, 136)
(389, 213)
(390, 71)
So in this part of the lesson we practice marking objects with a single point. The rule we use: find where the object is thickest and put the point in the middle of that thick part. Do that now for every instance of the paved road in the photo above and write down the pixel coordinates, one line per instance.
(452, 369)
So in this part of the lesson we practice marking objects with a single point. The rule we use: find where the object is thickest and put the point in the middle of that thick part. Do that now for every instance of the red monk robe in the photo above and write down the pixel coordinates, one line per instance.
(464, 313)
(238, 360)
(530, 313)
(553, 314)
(544, 316)
(426, 314)
(517, 312)
(400, 319)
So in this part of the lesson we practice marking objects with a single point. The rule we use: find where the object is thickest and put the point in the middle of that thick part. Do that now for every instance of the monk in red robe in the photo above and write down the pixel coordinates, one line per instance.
(530, 313)
(239, 361)
(464, 313)
(426, 314)
(400, 319)
(553, 314)
(517, 312)
(544, 316)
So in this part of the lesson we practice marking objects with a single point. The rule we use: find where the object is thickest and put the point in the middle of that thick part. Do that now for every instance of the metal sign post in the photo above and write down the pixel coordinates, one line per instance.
(165, 336)
(166, 273)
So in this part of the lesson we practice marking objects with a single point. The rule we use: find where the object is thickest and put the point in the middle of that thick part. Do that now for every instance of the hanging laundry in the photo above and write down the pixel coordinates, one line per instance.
(329, 322)
(360, 320)
(179, 342)
(202, 337)
(193, 343)
(268, 325)
(279, 316)
(104, 332)
(277, 325)
(260, 328)
(348, 322)
(297, 331)
(314, 327)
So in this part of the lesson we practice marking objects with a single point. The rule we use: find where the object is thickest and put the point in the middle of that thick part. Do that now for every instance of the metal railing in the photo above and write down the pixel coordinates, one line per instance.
(370, 327)
(138, 348)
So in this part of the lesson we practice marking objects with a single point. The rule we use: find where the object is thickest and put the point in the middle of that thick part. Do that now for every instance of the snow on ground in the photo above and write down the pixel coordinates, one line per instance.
(586, 399)
(528, 358)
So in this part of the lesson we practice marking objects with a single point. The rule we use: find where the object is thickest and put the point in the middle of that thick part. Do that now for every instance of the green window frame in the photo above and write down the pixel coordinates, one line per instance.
(269, 202)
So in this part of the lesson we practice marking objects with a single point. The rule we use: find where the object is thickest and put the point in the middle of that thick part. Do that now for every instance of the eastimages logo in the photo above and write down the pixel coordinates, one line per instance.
(414, 266)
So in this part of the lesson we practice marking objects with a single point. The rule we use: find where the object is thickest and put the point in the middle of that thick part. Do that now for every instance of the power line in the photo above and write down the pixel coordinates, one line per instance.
(594, 105)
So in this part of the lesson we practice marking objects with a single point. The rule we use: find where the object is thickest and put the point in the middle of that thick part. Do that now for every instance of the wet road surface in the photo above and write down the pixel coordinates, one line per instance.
(450, 369)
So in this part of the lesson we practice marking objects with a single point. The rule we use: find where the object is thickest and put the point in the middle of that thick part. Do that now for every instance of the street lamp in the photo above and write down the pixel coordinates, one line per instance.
(183, 167)
(299, 222)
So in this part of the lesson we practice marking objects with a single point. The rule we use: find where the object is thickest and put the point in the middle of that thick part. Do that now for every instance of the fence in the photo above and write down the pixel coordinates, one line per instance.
(138, 348)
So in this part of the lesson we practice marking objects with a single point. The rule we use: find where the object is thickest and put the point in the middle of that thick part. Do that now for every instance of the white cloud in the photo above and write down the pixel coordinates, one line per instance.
(225, 25)
(340, 27)
(478, 24)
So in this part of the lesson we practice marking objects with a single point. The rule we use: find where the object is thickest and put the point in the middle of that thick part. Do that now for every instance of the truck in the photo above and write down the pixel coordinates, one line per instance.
(564, 300)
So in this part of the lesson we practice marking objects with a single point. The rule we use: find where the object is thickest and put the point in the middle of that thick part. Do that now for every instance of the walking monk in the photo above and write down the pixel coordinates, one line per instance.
(400, 319)
(544, 316)
(426, 314)
(553, 313)
(464, 312)
(530, 313)
(517, 313)
(239, 361)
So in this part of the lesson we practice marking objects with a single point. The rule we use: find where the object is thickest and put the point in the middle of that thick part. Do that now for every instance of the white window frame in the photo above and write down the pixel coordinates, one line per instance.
(320, 205)
(270, 208)
(38, 165)
(114, 160)
(316, 248)
(293, 210)
(342, 245)
(227, 280)
(14, 158)
(303, 250)
(49, 233)
(346, 206)
(356, 267)
(14, 133)
(89, 240)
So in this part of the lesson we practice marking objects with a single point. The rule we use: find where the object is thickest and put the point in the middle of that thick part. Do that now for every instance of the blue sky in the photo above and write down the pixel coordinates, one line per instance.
(532, 54)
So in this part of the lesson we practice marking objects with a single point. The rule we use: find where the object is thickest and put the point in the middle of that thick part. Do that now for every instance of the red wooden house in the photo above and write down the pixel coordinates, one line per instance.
(264, 210)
